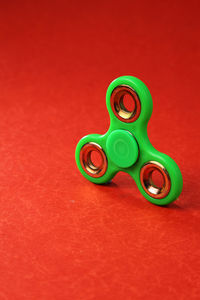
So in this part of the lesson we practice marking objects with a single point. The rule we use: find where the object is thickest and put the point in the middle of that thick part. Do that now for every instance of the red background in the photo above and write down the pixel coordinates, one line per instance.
(61, 237)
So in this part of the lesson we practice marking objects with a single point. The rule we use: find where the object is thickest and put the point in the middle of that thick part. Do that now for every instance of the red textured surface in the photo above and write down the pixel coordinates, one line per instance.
(61, 237)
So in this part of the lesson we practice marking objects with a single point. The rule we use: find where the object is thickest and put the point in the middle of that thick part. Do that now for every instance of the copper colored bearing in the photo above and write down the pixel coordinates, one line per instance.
(147, 183)
(86, 162)
(118, 107)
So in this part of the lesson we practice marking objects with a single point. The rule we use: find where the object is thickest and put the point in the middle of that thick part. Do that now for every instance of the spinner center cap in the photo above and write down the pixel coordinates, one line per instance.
(122, 148)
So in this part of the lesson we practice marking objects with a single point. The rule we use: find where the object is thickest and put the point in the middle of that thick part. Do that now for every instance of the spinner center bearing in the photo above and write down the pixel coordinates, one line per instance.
(122, 148)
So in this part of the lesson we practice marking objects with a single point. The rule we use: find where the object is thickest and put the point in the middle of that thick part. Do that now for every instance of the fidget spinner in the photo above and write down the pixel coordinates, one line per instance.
(126, 146)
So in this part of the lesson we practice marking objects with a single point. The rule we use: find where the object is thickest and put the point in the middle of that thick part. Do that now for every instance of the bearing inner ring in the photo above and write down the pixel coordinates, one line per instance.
(147, 183)
(118, 106)
(86, 162)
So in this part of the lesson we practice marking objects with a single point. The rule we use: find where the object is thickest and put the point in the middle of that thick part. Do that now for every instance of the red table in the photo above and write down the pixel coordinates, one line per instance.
(61, 237)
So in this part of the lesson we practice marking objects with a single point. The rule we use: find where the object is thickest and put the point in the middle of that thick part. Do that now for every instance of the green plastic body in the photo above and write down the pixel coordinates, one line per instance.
(139, 131)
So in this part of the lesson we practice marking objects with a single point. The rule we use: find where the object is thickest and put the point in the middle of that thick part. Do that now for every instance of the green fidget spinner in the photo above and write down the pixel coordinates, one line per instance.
(126, 147)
